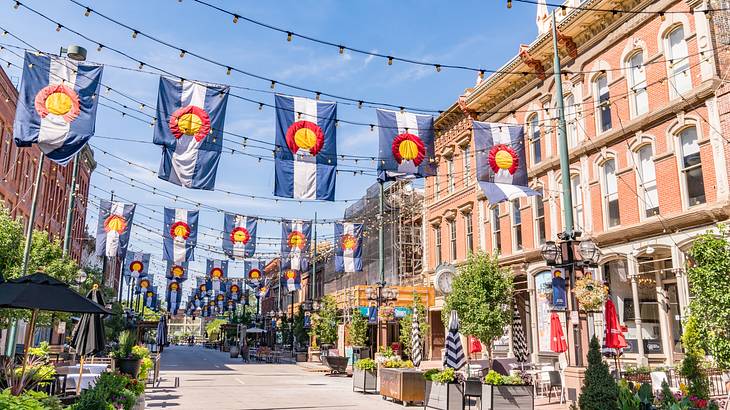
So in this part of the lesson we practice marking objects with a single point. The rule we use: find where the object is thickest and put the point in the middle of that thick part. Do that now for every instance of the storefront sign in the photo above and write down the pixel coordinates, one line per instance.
(371, 312)
(560, 301)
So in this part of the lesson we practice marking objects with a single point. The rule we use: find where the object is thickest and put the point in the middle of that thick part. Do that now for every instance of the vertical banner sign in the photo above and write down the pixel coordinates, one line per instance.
(179, 235)
(234, 291)
(136, 265)
(501, 165)
(217, 271)
(239, 236)
(348, 247)
(263, 290)
(291, 279)
(174, 295)
(295, 244)
(149, 298)
(177, 271)
(306, 148)
(143, 285)
(560, 301)
(405, 145)
(56, 105)
(254, 271)
(189, 127)
(113, 229)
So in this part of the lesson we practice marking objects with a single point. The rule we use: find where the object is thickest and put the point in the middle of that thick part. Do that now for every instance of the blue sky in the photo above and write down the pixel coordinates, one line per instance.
(473, 33)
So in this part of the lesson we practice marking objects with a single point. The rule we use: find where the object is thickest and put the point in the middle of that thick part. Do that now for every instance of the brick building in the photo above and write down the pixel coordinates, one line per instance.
(18, 167)
(647, 103)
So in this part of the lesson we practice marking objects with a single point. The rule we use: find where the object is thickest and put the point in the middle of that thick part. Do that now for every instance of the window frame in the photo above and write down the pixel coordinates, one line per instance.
(642, 183)
(469, 232)
(437, 184)
(494, 220)
(684, 169)
(535, 135)
(451, 182)
(578, 203)
(608, 197)
(466, 164)
(571, 118)
(636, 89)
(602, 106)
(672, 73)
(516, 222)
(452, 240)
(437, 244)
(539, 221)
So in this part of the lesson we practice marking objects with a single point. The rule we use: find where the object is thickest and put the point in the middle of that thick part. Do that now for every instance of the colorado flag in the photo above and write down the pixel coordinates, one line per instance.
(179, 235)
(217, 271)
(295, 243)
(239, 236)
(405, 145)
(56, 106)
(143, 285)
(254, 271)
(291, 279)
(177, 271)
(501, 165)
(348, 247)
(190, 119)
(306, 148)
(234, 291)
(174, 296)
(113, 229)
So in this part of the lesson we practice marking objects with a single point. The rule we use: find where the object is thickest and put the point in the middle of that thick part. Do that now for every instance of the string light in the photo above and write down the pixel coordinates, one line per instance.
(438, 68)
(58, 27)
(235, 18)
(135, 33)
(182, 53)
(273, 84)
(390, 60)
(342, 49)
(509, 4)
(141, 65)
(87, 12)
(228, 70)
(99, 47)
(17, 4)
(288, 36)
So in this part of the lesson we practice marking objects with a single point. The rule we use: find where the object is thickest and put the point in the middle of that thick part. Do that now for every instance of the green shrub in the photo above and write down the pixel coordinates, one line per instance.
(428, 374)
(366, 364)
(29, 400)
(599, 391)
(358, 330)
(112, 391)
(398, 364)
(126, 350)
(445, 376)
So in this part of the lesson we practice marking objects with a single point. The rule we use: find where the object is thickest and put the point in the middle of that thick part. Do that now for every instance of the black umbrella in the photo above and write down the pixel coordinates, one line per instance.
(88, 335)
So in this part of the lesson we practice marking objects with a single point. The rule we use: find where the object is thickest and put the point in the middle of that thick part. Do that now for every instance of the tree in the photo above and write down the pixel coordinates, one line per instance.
(300, 332)
(481, 295)
(324, 324)
(357, 330)
(406, 324)
(711, 290)
(214, 329)
(599, 391)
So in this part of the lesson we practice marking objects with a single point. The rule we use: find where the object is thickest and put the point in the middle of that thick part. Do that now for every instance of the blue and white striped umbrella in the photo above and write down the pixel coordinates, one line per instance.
(454, 356)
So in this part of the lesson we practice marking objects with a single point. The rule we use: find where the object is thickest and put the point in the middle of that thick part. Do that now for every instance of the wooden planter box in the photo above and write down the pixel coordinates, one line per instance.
(404, 385)
(444, 396)
(507, 397)
(365, 380)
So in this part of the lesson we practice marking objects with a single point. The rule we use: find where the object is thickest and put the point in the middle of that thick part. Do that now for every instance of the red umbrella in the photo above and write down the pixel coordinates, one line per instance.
(557, 338)
(475, 346)
(614, 336)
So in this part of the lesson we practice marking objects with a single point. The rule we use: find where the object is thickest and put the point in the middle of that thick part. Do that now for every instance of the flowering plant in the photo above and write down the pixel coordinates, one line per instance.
(591, 294)
(386, 313)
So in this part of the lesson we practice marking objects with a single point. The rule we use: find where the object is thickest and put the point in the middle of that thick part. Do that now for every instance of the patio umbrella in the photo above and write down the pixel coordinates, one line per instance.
(519, 344)
(88, 335)
(454, 356)
(161, 338)
(39, 291)
(614, 341)
(557, 338)
(416, 354)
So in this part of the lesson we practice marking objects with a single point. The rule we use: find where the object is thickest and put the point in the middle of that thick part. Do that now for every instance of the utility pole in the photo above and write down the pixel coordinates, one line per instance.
(381, 257)
(71, 205)
(313, 278)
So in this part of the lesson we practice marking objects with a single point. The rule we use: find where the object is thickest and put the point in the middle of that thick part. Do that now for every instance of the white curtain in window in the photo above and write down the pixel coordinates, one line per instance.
(647, 174)
(637, 73)
(679, 62)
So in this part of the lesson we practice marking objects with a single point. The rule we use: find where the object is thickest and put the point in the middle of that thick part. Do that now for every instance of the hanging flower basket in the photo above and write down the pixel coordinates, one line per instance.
(591, 294)
(386, 314)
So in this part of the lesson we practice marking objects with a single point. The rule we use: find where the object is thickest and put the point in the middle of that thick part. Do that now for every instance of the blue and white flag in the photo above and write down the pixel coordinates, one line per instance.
(149, 298)
(234, 290)
(174, 296)
(263, 290)
(254, 271)
(180, 235)
(220, 301)
(306, 148)
(291, 279)
(405, 145)
(239, 236)
(348, 247)
(230, 305)
(143, 284)
(190, 120)
(56, 106)
(136, 265)
(114, 228)
(217, 272)
(501, 165)
(295, 243)
(177, 271)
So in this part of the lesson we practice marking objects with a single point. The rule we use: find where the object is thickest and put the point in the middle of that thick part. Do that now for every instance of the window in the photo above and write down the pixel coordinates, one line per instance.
(534, 134)
(610, 193)
(637, 85)
(469, 229)
(647, 181)
(571, 127)
(544, 299)
(692, 167)
(436, 185)
(603, 107)
(680, 80)
(450, 176)
(576, 192)
(452, 239)
(539, 218)
(437, 240)
(467, 165)
(516, 224)
(496, 234)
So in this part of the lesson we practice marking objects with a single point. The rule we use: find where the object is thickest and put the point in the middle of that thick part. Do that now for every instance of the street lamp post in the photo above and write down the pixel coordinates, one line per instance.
(291, 324)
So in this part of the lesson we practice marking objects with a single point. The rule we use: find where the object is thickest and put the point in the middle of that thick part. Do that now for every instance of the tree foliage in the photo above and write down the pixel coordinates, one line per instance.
(481, 295)
(357, 329)
(324, 323)
(213, 328)
(599, 391)
(711, 289)
(300, 331)
(406, 324)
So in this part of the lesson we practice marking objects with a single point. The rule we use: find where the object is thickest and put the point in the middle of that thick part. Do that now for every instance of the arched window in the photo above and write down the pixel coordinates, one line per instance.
(436, 184)
(516, 224)
(496, 231)
(680, 80)
(647, 181)
(466, 152)
(603, 107)
(571, 127)
(544, 299)
(691, 167)
(577, 193)
(534, 133)
(637, 84)
(610, 194)
(539, 215)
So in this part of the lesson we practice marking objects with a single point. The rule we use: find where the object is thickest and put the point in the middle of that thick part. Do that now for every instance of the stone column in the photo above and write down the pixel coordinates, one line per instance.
(632, 267)
(664, 318)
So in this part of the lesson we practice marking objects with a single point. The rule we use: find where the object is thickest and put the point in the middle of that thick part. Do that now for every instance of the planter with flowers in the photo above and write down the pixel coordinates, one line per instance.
(444, 390)
(365, 376)
(506, 392)
(127, 360)
(590, 293)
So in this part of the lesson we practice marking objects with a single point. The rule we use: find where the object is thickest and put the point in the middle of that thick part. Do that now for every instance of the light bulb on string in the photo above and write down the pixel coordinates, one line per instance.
(228, 70)
(390, 60)
(509, 4)
(58, 27)
(289, 36)
(135, 33)
(87, 12)
(235, 18)
(99, 47)
(342, 49)
(182, 53)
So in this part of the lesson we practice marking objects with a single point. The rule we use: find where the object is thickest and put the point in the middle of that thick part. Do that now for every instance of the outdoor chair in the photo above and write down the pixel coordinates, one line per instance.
(555, 381)
(657, 378)
(544, 381)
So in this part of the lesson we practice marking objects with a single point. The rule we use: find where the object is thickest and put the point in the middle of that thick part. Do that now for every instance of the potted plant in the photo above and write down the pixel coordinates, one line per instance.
(126, 359)
(444, 390)
(506, 392)
(365, 376)
(324, 323)
(357, 331)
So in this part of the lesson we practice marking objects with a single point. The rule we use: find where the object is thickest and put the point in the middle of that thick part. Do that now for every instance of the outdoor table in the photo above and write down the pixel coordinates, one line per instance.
(87, 380)
(93, 368)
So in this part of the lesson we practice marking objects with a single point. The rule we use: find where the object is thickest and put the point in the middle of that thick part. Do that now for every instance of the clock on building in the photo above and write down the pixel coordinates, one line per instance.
(443, 279)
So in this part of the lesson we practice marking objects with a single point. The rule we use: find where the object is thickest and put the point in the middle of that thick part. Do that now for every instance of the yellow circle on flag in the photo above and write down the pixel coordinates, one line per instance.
(239, 236)
(305, 138)
(189, 123)
(59, 103)
(503, 159)
(180, 231)
(408, 150)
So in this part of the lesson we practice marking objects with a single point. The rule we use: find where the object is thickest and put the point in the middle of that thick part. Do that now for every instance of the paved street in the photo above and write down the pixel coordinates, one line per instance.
(212, 380)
